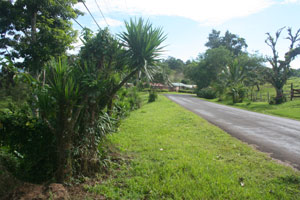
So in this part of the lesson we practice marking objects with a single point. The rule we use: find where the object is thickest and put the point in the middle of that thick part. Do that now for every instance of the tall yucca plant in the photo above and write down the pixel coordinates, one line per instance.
(143, 44)
(63, 87)
(58, 101)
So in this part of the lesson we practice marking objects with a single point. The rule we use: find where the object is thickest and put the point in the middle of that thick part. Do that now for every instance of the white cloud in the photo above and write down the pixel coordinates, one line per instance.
(110, 22)
(291, 1)
(76, 47)
(202, 11)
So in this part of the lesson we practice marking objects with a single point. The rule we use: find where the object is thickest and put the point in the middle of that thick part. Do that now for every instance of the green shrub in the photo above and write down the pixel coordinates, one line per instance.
(207, 93)
(186, 91)
(9, 160)
(162, 90)
(157, 90)
(146, 89)
(31, 141)
(134, 99)
(237, 93)
(152, 96)
(9, 164)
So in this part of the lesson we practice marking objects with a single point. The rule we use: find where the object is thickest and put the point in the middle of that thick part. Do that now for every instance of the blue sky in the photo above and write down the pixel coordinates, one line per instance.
(187, 23)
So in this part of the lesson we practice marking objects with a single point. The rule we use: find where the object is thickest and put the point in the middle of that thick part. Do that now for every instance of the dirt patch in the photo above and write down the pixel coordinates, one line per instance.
(7, 182)
(78, 192)
(53, 191)
(30, 191)
(74, 191)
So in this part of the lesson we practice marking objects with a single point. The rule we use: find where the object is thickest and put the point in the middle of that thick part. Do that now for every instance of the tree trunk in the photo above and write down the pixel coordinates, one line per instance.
(33, 26)
(258, 88)
(110, 106)
(279, 93)
(64, 145)
(279, 96)
(34, 68)
(89, 161)
(64, 158)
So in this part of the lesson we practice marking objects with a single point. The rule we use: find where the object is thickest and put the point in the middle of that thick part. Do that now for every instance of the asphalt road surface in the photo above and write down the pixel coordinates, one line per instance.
(275, 135)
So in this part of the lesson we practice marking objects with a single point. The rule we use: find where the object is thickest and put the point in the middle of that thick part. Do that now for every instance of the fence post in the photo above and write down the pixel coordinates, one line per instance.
(268, 97)
(292, 92)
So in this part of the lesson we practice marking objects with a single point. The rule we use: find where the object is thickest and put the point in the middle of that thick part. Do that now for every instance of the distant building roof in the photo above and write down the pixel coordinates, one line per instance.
(157, 84)
(183, 85)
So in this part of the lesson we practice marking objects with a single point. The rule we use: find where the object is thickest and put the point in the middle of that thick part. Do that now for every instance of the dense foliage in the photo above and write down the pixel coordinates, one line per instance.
(74, 101)
(207, 93)
(225, 69)
(31, 142)
(36, 31)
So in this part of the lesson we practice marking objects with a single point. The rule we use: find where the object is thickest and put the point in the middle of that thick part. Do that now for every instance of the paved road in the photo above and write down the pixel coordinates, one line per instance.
(275, 135)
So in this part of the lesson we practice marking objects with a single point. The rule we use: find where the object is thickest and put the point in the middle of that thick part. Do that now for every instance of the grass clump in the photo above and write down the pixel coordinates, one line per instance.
(178, 155)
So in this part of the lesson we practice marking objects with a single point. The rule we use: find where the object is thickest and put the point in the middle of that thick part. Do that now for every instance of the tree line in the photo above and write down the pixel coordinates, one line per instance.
(227, 69)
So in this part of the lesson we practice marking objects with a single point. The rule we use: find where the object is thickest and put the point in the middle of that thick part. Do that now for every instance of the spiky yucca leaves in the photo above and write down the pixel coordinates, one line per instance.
(143, 44)
(63, 88)
(57, 100)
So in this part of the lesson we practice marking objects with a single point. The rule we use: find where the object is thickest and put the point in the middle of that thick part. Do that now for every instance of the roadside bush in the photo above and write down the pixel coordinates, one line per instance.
(237, 93)
(127, 100)
(134, 99)
(31, 141)
(9, 164)
(157, 90)
(186, 91)
(164, 90)
(152, 96)
(207, 93)
(146, 89)
(9, 160)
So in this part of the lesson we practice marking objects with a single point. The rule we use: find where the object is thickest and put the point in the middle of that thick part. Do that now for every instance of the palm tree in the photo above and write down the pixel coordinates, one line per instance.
(234, 74)
(143, 47)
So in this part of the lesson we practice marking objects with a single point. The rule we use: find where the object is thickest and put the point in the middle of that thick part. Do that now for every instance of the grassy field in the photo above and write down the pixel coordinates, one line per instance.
(290, 109)
(174, 154)
(267, 88)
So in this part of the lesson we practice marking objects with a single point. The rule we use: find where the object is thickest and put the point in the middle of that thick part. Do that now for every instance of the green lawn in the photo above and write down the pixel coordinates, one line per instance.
(174, 154)
(290, 109)
(267, 88)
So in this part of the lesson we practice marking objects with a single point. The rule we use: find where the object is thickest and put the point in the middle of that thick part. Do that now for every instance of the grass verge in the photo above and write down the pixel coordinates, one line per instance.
(290, 109)
(177, 155)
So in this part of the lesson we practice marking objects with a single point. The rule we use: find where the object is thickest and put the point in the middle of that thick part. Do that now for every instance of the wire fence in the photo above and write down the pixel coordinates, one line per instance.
(258, 96)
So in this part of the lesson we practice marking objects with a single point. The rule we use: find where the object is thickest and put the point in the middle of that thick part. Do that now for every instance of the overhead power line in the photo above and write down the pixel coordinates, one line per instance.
(71, 17)
(101, 12)
(90, 14)
(78, 23)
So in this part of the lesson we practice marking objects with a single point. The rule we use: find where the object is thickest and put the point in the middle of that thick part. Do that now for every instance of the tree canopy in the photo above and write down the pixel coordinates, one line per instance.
(32, 32)
(230, 41)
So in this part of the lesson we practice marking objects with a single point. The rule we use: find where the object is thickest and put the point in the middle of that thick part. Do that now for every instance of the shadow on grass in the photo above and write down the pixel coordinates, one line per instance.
(292, 179)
